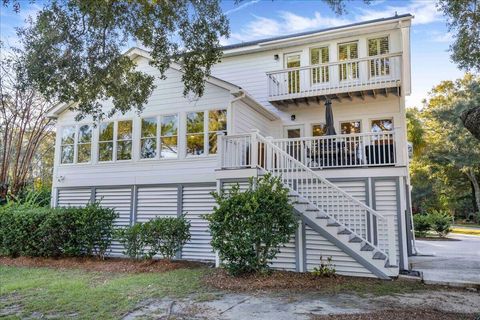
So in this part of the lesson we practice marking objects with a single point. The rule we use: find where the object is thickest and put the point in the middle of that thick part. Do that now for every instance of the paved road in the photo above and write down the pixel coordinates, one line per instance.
(454, 262)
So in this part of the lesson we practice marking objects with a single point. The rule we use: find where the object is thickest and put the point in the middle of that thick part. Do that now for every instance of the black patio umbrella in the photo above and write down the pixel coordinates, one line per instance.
(329, 118)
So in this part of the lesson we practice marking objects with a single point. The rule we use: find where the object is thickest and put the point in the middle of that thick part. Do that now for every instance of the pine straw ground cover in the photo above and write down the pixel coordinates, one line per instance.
(301, 282)
(398, 314)
(115, 265)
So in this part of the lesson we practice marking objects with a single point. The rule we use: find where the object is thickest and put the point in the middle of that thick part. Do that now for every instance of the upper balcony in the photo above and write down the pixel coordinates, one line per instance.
(336, 80)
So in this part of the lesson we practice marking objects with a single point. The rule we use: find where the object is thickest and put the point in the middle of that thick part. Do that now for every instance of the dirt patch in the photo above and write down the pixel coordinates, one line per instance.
(107, 265)
(411, 314)
(436, 239)
(300, 282)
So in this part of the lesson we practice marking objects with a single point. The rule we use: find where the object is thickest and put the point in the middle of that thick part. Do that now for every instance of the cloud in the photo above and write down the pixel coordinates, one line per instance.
(424, 11)
(241, 7)
(442, 37)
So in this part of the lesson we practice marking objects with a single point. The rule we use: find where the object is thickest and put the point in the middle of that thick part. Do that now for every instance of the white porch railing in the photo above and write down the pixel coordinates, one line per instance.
(383, 71)
(254, 151)
(370, 149)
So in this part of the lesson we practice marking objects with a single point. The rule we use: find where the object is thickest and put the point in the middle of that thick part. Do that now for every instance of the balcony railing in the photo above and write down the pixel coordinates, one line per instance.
(336, 77)
(373, 149)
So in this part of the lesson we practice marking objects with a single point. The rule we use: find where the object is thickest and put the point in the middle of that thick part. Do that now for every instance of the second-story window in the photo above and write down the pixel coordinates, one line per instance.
(379, 66)
(84, 144)
(319, 129)
(382, 125)
(105, 141)
(348, 52)
(319, 56)
(67, 144)
(124, 140)
(169, 136)
(148, 138)
(195, 133)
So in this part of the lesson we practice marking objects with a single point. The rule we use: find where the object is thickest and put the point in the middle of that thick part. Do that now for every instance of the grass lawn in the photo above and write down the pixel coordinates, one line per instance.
(86, 294)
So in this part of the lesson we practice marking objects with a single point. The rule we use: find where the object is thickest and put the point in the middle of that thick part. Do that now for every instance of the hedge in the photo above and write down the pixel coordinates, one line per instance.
(56, 232)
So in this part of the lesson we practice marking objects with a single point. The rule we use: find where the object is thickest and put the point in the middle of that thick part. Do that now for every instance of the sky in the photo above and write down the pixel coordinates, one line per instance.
(258, 19)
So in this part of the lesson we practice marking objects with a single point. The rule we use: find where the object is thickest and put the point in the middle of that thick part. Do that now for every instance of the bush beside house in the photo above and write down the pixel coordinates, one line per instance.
(249, 227)
(164, 236)
(54, 232)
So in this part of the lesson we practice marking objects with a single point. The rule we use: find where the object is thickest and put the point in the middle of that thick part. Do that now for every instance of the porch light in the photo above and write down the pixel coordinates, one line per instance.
(276, 57)
(293, 117)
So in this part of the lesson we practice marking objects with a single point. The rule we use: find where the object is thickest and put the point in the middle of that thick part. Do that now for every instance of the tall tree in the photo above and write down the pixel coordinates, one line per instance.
(74, 49)
(23, 125)
(451, 146)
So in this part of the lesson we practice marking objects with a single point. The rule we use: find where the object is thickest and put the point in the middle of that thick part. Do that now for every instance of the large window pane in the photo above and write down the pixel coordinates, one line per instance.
(124, 140)
(148, 144)
(105, 142)
(169, 135)
(348, 70)
(382, 125)
(124, 150)
(67, 144)
(217, 122)
(349, 127)
(124, 130)
(319, 56)
(84, 147)
(319, 130)
(195, 134)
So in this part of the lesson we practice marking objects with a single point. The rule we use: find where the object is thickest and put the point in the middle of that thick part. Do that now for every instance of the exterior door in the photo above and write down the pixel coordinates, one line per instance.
(294, 146)
(292, 60)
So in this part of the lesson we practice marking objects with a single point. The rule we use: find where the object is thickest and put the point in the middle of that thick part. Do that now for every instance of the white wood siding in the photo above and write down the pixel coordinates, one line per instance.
(196, 202)
(317, 246)
(74, 197)
(155, 202)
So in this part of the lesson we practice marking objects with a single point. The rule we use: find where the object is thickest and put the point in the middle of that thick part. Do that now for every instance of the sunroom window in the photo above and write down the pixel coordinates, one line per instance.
(319, 56)
(217, 123)
(148, 139)
(169, 136)
(84, 145)
(379, 66)
(105, 141)
(195, 133)
(68, 144)
(124, 140)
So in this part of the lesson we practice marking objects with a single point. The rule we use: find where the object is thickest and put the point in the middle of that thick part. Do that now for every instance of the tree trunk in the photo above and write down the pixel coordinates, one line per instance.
(471, 121)
(476, 187)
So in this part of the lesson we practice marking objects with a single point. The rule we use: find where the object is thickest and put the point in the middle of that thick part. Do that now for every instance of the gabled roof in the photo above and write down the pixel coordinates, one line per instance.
(315, 32)
(235, 90)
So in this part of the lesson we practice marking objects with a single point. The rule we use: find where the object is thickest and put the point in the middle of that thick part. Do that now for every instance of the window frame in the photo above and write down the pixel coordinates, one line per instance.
(116, 140)
(328, 75)
(316, 124)
(160, 136)
(376, 37)
(354, 120)
(349, 60)
(157, 138)
(381, 118)
(206, 132)
(114, 151)
(73, 145)
(76, 143)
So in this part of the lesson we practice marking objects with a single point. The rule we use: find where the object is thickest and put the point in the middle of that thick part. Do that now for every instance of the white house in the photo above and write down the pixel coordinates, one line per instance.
(264, 111)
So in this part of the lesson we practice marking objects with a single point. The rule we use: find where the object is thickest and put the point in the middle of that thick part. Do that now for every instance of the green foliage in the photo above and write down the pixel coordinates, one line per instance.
(133, 239)
(326, 269)
(440, 222)
(464, 22)
(165, 236)
(446, 174)
(74, 49)
(49, 232)
(249, 227)
(422, 224)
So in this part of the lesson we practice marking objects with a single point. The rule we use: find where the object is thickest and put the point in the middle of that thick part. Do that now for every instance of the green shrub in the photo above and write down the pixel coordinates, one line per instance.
(440, 222)
(167, 236)
(133, 239)
(40, 231)
(249, 227)
(422, 224)
(326, 269)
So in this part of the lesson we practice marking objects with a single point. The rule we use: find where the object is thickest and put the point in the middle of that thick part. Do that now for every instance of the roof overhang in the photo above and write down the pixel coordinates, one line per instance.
(255, 105)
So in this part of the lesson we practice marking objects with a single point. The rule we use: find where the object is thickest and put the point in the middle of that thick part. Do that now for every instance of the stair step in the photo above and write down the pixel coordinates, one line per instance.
(333, 224)
(379, 256)
(356, 240)
(312, 210)
(301, 202)
(367, 247)
(345, 231)
(293, 196)
(323, 217)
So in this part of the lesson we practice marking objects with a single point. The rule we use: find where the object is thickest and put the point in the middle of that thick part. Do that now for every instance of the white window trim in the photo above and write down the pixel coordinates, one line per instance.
(370, 120)
(75, 145)
(353, 120)
(115, 135)
(314, 124)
